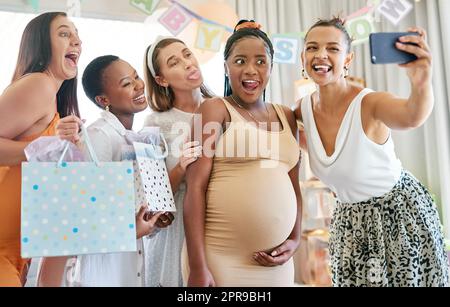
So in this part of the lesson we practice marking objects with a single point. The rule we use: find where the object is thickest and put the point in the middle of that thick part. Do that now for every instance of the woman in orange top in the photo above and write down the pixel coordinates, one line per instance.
(43, 88)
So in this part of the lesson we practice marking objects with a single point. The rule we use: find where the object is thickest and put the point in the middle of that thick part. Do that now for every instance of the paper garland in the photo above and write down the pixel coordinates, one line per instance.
(209, 37)
(175, 19)
(360, 25)
(286, 49)
(395, 10)
(146, 6)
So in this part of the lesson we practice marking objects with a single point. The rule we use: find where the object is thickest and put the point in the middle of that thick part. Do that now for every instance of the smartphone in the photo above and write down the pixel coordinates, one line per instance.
(384, 51)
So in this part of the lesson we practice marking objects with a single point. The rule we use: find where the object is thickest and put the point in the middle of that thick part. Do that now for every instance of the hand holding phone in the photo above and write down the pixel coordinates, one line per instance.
(383, 49)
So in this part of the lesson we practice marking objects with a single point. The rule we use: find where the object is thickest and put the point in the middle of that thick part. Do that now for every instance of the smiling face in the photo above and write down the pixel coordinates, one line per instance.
(249, 67)
(178, 68)
(123, 90)
(66, 48)
(326, 55)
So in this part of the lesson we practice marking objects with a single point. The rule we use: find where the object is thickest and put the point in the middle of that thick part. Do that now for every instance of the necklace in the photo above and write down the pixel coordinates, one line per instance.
(250, 114)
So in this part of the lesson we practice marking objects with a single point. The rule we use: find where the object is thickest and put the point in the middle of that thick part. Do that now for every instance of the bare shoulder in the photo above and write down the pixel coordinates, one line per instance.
(35, 90)
(214, 109)
(34, 82)
(213, 103)
(290, 116)
(372, 99)
(288, 112)
(25, 103)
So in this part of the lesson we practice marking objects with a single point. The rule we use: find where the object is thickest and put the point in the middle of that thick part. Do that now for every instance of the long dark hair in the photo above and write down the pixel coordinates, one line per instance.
(237, 36)
(157, 97)
(35, 55)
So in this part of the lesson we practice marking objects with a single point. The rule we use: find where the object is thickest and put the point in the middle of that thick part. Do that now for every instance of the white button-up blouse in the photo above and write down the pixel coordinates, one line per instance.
(108, 139)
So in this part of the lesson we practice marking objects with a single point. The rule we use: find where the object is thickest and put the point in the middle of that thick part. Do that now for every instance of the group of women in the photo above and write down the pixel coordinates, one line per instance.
(235, 170)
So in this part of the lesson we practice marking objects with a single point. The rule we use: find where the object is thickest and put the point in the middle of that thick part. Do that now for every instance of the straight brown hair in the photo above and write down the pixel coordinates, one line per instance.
(35, 55)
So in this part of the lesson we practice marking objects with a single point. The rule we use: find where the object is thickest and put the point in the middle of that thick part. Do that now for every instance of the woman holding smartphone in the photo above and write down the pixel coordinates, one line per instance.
(385, 229)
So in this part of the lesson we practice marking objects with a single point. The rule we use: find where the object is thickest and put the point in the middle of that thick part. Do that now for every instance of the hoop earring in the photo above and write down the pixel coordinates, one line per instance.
(167, 92)
(346, 72)
(304, 75)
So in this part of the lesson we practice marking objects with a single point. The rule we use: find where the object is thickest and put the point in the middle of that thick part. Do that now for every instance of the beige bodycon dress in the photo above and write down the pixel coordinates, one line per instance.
(251, 203)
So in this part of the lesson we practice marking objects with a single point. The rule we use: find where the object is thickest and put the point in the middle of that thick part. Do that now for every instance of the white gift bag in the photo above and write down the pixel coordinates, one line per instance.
(152, 184)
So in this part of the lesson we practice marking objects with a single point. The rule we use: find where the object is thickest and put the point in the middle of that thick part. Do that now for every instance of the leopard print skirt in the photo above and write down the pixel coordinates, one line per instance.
(391, 241)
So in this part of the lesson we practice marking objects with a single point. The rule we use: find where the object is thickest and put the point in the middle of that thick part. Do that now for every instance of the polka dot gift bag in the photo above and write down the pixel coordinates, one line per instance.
(77, 208)
(152, 184)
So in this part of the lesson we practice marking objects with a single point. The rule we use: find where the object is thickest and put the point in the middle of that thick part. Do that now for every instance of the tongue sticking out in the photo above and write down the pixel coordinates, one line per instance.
(250, 85)
(194, 76)
(322, 68)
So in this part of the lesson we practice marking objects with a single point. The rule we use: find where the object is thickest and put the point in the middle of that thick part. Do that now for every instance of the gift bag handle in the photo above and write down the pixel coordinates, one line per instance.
(153, 154)
(88, 142)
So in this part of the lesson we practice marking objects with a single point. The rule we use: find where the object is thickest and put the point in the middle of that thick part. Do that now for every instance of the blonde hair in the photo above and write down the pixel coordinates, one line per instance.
(161, 99)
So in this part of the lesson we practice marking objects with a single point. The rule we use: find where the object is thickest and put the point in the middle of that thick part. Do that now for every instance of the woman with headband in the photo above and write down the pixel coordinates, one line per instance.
(175, 90)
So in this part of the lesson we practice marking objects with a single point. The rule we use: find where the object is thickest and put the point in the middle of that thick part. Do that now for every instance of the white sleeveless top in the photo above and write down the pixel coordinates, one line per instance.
(359, 169)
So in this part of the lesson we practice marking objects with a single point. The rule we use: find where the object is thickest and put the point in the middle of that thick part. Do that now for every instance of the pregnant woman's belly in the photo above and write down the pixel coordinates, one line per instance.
(249, 209)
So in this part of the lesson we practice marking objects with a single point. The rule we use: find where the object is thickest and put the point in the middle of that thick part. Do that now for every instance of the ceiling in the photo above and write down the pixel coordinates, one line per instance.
(105, 9)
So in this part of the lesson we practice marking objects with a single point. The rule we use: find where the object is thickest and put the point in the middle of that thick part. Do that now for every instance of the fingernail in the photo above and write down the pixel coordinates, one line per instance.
(274, 253)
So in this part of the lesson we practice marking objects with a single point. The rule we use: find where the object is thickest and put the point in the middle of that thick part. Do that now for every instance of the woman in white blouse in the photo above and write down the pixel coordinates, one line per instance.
(113, 85)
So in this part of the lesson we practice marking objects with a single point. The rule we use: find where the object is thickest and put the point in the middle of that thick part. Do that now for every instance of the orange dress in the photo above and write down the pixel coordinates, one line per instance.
(12, 266)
